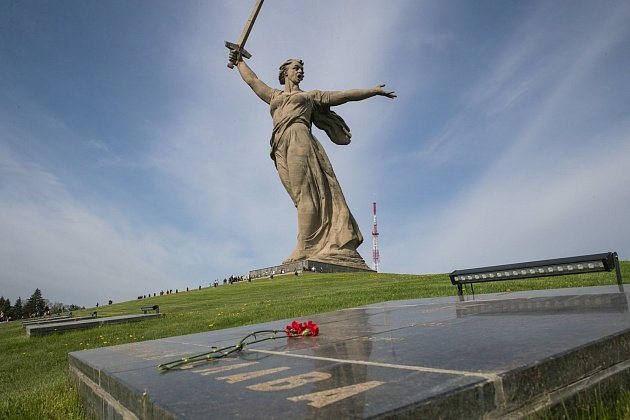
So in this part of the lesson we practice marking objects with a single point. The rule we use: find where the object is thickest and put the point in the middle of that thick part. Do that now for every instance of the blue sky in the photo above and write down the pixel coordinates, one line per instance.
(132, 160)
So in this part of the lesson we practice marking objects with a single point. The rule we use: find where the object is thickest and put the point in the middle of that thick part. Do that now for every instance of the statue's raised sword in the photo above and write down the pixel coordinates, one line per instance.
(239, 47)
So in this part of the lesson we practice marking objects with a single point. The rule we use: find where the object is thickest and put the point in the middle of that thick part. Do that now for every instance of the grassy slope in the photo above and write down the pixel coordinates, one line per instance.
(34, 371)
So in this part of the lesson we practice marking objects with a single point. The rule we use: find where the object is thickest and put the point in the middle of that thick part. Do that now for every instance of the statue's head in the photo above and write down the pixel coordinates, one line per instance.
(285, 67)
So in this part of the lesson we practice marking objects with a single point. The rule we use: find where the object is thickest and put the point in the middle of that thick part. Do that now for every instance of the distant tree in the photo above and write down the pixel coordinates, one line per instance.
(18, 310)
(4, 304)
(36, 305)
(5, 308)
(29, 308)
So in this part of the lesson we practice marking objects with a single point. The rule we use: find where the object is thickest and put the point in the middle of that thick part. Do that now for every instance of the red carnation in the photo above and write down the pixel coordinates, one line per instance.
(294, 329)
(302, 329)
(310, 328)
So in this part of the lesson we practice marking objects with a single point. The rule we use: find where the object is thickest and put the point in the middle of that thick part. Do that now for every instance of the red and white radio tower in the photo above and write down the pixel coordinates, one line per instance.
(376, 258)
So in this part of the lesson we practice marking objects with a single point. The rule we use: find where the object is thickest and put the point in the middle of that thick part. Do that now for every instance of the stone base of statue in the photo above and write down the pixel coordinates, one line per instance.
(309, 265)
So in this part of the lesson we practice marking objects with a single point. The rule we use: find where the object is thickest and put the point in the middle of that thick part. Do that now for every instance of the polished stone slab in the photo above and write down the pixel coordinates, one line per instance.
(28, 321)
(44, 321)
(81, 323)
(498, 356)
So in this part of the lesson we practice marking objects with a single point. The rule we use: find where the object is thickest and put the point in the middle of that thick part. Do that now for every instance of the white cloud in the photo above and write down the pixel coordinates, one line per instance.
(557, 184)
(520, 212)
(78, 252)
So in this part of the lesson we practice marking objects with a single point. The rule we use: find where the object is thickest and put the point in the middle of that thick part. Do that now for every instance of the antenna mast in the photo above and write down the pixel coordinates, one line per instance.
(376, 258)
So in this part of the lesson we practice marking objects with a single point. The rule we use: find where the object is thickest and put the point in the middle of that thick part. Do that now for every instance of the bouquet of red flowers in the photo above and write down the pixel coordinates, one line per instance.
(294, 330)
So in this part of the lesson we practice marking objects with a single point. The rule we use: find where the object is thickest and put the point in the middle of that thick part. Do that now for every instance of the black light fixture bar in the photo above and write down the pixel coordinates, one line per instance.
(593, 263)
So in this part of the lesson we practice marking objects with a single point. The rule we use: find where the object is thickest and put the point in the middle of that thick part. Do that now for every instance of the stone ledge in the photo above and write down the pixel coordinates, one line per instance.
(307, 266)
(45, 329)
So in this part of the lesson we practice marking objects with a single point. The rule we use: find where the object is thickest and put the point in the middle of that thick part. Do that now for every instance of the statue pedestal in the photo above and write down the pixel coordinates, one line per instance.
(308, 266)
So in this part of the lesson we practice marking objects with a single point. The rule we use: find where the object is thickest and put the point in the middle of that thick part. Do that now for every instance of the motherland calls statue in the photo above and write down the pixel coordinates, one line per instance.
(327, 231)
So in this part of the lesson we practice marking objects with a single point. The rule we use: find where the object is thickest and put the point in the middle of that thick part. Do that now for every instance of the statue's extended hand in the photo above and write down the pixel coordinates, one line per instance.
(235, 57)
(382, 92)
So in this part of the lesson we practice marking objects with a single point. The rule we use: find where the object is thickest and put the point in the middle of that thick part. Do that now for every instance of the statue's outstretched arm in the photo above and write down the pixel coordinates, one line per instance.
(343, 96)
(263, 91)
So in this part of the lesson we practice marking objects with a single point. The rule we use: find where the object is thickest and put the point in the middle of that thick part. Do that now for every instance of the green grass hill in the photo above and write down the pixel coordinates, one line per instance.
(34, 371)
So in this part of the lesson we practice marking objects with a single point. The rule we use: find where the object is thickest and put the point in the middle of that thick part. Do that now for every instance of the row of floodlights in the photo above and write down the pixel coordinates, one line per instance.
(534, 271)
(607, 261)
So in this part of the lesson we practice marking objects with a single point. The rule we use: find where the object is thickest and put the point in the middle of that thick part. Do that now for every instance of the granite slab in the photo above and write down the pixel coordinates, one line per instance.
(56, 320)
(504, 355)
(81, 323)
(28, 321)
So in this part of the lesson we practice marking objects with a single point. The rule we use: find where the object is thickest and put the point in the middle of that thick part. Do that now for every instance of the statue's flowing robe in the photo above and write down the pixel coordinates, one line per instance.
(327, 230)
